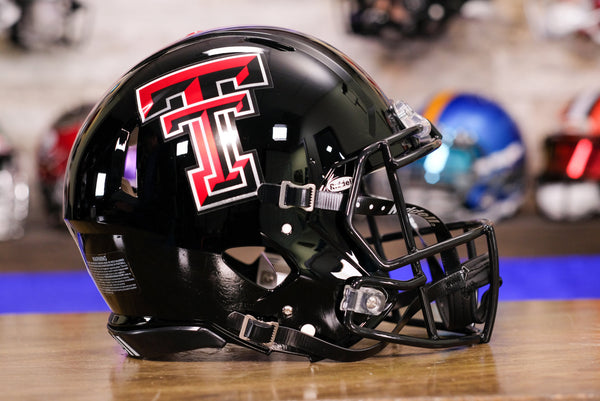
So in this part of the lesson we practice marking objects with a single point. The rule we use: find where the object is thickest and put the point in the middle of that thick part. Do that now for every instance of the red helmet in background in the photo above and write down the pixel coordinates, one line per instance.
(53, 155)
(569, 189)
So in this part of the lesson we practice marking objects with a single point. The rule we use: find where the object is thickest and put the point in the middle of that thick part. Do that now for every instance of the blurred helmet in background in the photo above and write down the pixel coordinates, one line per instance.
(397, 19)
(480, 167)
(581, 116)
(567, 189)
(9, 14)
(555, 19)
(46, 23)
(14, 193)
(52, 157)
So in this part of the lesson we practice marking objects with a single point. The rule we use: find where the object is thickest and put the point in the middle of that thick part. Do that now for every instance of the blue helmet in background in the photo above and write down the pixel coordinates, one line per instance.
(480, 167)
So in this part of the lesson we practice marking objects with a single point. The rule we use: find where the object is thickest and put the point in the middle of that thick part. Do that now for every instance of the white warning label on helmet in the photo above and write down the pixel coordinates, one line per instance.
(111, 272)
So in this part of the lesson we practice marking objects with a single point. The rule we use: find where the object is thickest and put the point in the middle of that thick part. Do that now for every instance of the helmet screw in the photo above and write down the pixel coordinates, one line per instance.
(308, 329)
(287, 311)
(286, 229)
(373, 303)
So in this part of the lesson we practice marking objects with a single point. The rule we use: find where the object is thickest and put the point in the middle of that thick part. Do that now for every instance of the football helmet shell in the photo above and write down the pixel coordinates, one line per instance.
(9, 14)
(479, 170)
(14, 193)
(216, 195)
(555, 19)
(581, 116)
(393, 20)
(41, 24)
(569, 187)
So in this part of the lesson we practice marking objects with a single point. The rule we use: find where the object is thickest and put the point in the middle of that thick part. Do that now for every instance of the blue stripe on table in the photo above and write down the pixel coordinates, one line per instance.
(539, 278)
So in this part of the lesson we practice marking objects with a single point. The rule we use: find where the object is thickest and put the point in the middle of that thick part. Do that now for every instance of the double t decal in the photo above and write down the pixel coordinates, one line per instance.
(202, 102)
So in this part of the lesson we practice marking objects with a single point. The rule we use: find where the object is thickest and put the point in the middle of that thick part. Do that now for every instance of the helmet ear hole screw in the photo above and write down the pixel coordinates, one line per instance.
(373, 303)
(286, 229)
(287, 311)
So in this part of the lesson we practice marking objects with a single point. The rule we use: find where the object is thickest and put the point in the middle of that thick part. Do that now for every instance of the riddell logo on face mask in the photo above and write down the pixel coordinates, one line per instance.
(202, 103)
(339, 184)
(430, 218)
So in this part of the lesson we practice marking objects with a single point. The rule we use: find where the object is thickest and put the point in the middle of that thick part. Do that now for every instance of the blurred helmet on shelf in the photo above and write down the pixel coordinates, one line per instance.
(569, 187)
(52, 157)
(480, 167)
(46, 23)
(556, 19)
(9, 14)
(396, 19)
(581, 116)
(14, 193)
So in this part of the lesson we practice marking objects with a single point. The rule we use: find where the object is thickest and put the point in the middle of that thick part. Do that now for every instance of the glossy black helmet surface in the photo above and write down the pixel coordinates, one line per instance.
(218, 195)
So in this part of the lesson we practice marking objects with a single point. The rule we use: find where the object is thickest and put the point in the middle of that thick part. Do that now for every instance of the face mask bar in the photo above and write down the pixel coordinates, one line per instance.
(369, 300)
(391, 164)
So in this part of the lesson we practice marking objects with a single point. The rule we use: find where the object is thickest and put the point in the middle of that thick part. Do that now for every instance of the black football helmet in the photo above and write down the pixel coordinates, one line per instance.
(217, 195)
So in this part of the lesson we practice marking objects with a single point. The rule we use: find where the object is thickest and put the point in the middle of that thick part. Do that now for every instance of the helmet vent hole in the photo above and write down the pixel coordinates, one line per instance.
(264, 268)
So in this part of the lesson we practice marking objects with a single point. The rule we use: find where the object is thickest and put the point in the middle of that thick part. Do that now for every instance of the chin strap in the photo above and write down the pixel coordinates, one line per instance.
(270, 336)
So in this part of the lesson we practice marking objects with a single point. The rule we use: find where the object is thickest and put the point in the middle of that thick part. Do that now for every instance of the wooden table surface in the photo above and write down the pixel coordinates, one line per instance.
(540, 350)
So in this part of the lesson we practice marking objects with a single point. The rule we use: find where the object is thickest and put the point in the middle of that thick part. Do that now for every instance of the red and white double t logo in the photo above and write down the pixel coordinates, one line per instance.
(203, 101)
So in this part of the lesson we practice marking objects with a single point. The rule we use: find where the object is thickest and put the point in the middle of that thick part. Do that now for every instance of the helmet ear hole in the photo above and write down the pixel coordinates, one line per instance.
(266, 269)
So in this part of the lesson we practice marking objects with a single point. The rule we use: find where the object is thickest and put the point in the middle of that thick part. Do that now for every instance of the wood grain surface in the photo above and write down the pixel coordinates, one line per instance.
(540, 350)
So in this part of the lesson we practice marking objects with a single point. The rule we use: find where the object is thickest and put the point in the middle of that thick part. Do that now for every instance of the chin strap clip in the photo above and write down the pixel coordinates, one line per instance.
(302, 196)
(306, 197)
(270, 336)
(258, 331)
